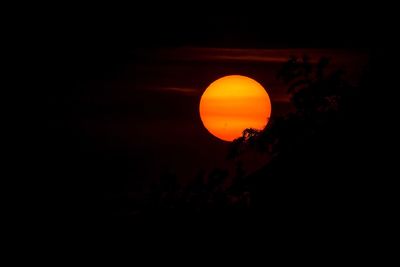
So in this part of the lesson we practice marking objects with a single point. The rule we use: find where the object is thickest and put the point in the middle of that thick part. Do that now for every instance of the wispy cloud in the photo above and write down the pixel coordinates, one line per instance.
(210, 54)
(180, 90)
(280, 98)
(192, 91)
(223, 54)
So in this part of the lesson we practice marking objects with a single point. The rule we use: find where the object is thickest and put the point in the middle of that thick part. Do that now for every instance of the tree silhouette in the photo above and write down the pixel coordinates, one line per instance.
(313, 149)
(311, 170)
(319, 100)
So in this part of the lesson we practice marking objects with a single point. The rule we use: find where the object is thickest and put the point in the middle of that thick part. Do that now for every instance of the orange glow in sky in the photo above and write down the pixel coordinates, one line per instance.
(233, 103)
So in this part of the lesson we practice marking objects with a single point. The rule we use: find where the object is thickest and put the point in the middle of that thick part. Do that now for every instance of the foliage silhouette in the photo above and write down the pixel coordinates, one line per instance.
(312, 171)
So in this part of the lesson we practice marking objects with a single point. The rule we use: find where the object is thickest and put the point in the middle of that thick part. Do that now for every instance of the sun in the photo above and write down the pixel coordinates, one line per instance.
(233, 103)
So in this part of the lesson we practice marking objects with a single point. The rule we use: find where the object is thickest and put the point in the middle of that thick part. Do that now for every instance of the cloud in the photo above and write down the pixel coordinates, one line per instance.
(200, 54)
(280, 98)
(180, 90)
(251, 55)
(192, 91)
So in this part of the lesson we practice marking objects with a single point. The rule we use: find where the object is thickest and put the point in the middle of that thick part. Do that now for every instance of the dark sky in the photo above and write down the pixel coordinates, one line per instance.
(124, 88)
(149, 108)
(119, 93)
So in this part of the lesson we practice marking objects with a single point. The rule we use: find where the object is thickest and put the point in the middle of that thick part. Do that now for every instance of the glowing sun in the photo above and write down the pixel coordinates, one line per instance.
(233, 103)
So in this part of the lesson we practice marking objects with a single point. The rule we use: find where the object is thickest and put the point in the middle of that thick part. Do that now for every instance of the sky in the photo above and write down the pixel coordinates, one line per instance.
(119, 105)
(143, 118)
(122, 92)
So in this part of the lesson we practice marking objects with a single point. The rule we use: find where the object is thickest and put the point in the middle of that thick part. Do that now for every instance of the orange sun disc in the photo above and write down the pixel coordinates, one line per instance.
(233, 103)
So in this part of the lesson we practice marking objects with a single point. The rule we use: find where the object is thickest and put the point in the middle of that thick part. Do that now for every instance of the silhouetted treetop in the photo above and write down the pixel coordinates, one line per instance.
(319, 98)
